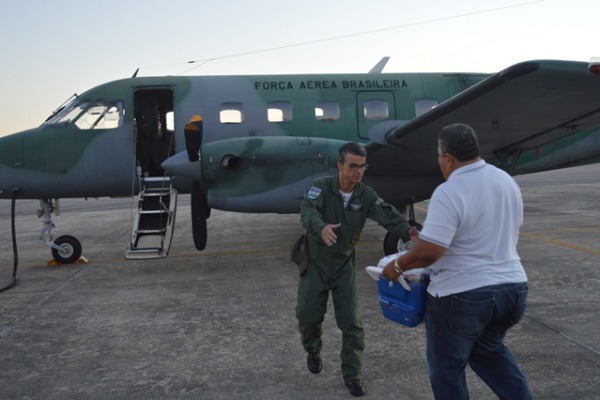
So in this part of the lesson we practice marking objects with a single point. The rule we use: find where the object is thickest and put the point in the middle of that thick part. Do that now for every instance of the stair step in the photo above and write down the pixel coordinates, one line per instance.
(150, 231)
(156, 194)
(145, 250)
(157, 179)
(161, 211)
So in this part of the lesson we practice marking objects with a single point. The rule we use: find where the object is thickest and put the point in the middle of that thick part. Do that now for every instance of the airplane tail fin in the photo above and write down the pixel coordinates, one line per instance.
(378, 68)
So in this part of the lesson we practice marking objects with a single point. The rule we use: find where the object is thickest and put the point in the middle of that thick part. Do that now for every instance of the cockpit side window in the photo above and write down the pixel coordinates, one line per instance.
(68, 114)
(101, 114)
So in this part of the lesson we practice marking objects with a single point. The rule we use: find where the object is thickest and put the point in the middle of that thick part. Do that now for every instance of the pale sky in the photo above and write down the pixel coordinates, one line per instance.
(51, 49)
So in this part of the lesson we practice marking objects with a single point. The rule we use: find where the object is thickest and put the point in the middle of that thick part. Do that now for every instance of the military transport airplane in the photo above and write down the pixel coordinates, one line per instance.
(254, 143)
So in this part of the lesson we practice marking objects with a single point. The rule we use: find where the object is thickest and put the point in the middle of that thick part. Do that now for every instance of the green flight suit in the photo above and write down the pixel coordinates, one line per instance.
(332, 268)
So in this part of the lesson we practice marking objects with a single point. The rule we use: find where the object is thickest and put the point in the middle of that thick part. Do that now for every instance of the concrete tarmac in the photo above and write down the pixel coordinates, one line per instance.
(220, 324)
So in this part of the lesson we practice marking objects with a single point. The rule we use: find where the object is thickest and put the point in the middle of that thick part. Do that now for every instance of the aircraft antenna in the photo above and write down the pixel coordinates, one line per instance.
(135, 73)
(351, 35)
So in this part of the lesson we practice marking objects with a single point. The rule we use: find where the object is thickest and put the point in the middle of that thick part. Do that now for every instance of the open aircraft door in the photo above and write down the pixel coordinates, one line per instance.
(153, 227)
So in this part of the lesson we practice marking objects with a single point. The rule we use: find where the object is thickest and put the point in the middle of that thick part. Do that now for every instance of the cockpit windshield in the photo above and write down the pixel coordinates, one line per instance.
(87, 115)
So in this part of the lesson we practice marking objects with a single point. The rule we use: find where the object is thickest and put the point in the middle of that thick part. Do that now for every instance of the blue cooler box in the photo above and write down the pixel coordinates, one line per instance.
(400, 305)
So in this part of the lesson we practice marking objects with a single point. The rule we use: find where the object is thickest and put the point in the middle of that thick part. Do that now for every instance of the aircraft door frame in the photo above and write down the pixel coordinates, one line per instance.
(154, 130)
(369, 111)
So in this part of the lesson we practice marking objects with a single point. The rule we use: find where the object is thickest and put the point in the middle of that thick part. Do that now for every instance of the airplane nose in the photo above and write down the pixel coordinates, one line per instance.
(180, 165)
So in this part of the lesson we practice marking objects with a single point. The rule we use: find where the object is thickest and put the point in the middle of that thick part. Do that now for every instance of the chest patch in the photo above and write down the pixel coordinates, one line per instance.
(355, 206)
(313, 192)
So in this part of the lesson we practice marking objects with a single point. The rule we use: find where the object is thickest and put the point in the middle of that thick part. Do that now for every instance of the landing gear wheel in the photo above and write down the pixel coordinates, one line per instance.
(392, 244)
(70, 249)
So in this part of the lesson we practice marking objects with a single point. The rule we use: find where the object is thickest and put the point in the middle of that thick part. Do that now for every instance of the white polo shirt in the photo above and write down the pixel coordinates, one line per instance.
(476, 214)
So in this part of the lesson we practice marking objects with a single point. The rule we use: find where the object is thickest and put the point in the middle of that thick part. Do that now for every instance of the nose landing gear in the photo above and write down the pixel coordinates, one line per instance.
(65, 249)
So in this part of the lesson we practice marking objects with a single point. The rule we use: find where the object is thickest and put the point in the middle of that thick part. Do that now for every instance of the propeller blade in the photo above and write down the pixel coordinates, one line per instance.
(200, 212)
(193, 137)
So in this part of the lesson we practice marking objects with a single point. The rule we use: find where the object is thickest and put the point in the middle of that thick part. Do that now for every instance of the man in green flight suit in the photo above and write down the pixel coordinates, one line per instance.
(334, 211)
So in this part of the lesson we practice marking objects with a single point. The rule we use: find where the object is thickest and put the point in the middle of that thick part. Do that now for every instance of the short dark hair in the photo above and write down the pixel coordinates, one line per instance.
(350, 148)
(460, 141)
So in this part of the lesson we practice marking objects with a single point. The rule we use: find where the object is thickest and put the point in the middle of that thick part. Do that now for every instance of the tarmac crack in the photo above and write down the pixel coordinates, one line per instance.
(569, 338)
(8, 327)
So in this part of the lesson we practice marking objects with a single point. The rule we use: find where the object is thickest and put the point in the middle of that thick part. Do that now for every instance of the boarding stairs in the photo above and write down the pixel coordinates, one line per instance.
(154, 223)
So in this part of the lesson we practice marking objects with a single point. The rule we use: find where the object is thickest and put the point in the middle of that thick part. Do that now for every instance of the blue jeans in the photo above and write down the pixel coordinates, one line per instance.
(470, 327)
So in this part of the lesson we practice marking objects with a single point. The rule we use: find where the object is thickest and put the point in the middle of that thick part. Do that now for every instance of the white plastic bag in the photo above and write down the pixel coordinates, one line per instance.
(412, 274)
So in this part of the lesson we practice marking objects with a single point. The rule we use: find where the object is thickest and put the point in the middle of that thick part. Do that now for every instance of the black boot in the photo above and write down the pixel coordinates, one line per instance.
(356, 389)
(315, 365)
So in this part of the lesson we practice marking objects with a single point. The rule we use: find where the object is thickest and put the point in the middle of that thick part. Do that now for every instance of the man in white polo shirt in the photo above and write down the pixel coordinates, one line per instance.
(478, 287)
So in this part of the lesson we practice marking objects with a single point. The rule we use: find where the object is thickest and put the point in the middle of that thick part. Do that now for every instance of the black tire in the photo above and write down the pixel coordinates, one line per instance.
(71, 249)
(390, 244)
(393, 244)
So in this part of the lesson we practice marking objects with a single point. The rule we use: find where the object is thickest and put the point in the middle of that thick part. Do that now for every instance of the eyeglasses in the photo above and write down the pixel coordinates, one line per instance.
(355, 167)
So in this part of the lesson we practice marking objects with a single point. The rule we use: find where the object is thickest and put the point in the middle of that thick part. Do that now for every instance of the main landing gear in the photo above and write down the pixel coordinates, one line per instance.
(66, 249)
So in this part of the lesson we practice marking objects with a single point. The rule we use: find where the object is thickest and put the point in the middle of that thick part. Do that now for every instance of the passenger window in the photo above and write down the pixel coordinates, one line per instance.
(376, 110)
(327, 111)
(424, 105)
(279, 111)
(231, 113)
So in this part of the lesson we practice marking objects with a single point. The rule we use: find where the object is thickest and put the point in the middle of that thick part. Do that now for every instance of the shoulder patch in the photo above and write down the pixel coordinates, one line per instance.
(313, 192)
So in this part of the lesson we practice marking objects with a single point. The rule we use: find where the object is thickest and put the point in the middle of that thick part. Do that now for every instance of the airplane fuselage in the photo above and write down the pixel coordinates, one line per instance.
(97, 145)
(255, 143)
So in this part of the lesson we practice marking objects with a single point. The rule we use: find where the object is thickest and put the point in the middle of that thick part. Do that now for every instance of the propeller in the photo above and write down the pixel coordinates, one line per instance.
(193, 137)
(200, 209)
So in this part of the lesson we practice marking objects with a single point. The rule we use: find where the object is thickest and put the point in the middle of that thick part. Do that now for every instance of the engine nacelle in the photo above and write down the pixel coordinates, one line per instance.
(265, 174)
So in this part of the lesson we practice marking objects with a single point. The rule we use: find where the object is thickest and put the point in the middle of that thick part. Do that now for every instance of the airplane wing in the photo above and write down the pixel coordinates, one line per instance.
(524, 106)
